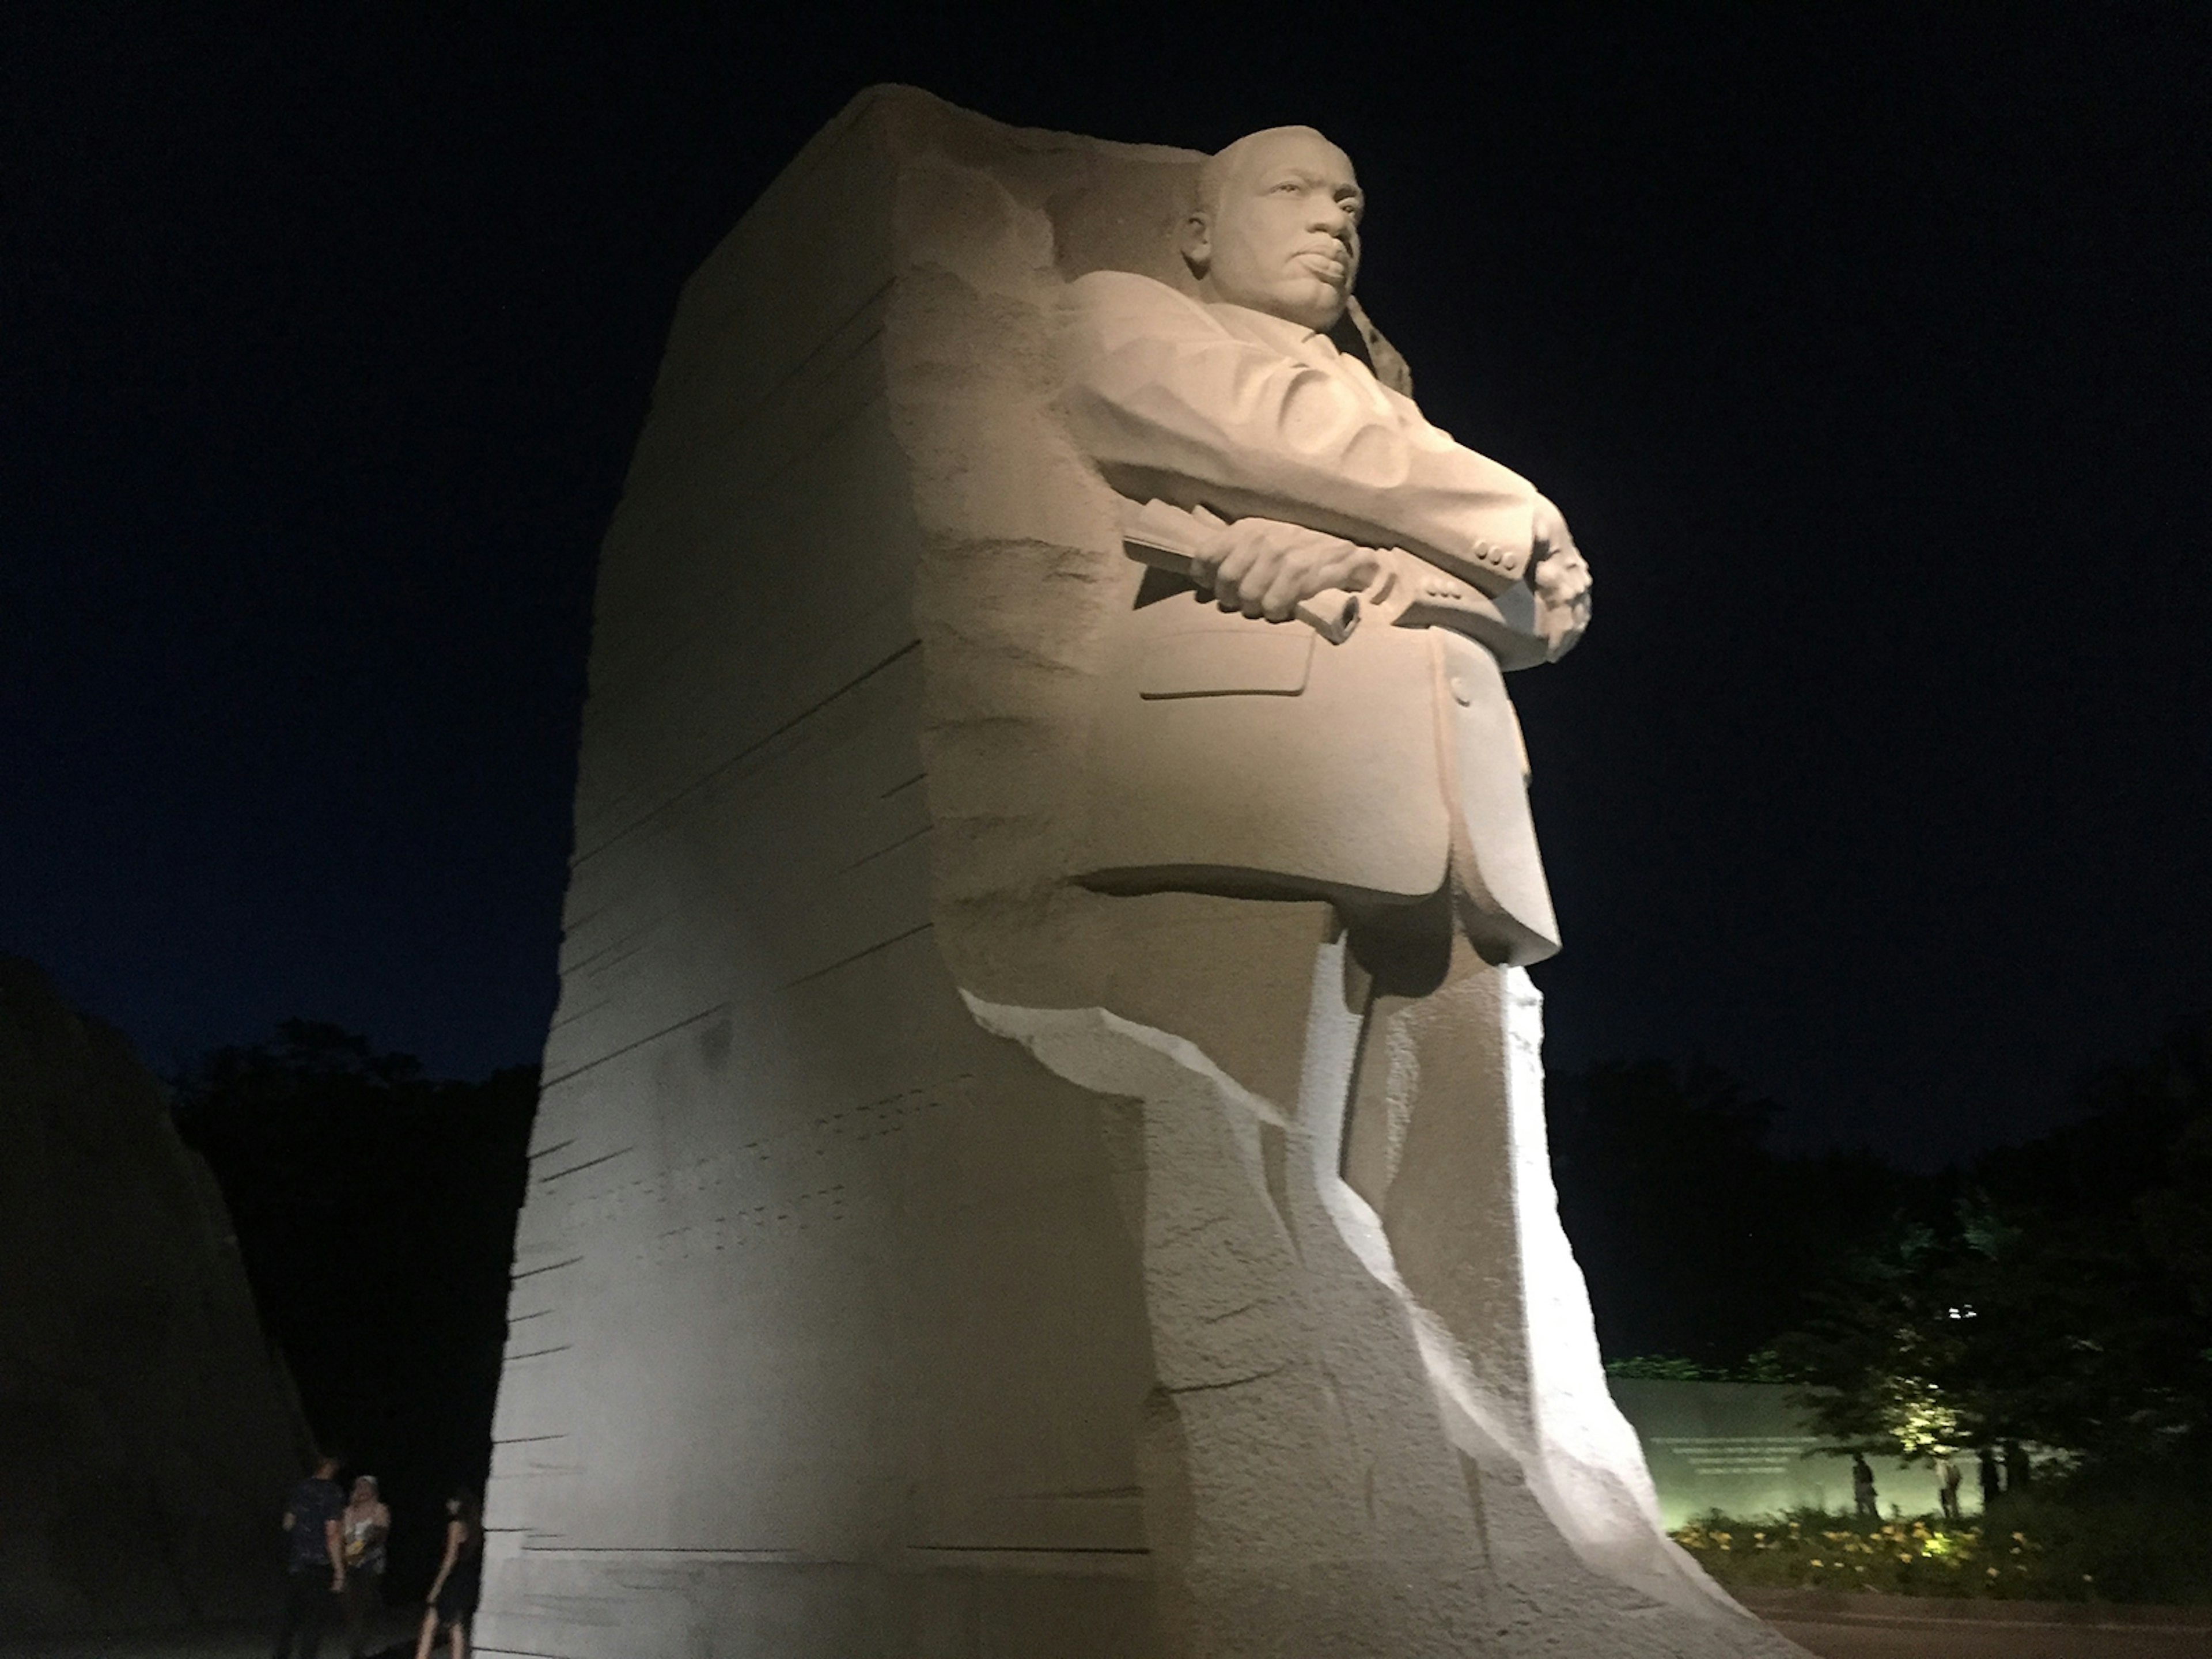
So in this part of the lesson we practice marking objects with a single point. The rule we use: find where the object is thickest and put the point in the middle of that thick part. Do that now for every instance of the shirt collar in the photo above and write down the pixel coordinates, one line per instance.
(1294, 338)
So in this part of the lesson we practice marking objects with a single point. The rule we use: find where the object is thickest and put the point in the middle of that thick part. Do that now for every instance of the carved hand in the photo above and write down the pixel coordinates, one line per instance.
(1562, 582)
(1264, 566)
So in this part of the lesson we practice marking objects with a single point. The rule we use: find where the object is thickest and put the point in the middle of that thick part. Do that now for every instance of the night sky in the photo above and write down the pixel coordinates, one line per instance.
(1866, 352)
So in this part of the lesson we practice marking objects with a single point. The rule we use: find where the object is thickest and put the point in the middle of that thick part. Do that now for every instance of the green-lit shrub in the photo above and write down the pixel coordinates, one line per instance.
(2026, 1549)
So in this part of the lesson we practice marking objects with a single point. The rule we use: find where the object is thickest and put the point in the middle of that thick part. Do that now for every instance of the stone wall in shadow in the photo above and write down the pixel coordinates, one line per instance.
(147, 1431)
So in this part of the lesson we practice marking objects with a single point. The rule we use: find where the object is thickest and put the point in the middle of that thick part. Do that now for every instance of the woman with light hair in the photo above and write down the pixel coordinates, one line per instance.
(363, 1525)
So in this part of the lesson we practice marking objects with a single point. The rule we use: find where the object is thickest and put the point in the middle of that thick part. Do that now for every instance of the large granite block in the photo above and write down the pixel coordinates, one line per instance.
(926, 1252)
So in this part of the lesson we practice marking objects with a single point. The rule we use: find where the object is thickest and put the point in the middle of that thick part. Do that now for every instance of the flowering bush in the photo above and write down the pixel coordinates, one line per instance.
(1903, 1557)
(2040, 1548)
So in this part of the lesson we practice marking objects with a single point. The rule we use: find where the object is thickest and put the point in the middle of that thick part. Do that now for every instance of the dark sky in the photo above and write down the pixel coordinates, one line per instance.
(1866, 351)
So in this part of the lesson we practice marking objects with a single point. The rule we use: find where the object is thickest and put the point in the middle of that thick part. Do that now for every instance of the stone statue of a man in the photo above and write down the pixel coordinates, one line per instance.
(1238, 751)
(1243, 402)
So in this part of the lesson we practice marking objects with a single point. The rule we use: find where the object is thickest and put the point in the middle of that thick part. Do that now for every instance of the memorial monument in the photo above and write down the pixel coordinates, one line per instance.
(1042, 1143)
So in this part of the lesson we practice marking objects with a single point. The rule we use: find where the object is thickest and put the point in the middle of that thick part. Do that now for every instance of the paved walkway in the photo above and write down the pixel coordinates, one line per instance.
(1829, 1627)
(1897, 1639)
(242, 1644)
(395, 1633)
(1900, 1627)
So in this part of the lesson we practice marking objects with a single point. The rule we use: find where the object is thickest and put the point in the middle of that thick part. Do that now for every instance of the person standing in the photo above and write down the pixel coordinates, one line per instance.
(1992, 1482)
(315, 1562)
(1948, 1480)
(1863, 1492)
(453, 1592)
(362, 1528)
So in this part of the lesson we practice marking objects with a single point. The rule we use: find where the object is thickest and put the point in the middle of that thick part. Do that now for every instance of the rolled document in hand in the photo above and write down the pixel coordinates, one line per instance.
(1168, 538)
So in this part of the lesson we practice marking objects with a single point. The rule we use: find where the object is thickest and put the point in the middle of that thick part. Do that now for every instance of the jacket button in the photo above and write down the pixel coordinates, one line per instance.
(1462, 693)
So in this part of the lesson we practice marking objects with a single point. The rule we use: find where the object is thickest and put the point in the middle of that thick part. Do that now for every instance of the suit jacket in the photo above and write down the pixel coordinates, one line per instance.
(1243, 756)
(1245, 413)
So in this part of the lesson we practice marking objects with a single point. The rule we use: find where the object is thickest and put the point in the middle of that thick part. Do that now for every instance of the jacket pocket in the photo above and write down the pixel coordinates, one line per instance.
(1263, 660)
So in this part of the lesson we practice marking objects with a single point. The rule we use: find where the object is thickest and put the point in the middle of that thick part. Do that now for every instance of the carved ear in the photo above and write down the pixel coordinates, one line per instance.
(1196, 242)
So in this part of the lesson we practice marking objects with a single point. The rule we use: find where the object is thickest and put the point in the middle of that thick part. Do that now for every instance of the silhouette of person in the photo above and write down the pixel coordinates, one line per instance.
(1863, 1492)
(452, 1598)
(1947, 1479)
(314, 1566)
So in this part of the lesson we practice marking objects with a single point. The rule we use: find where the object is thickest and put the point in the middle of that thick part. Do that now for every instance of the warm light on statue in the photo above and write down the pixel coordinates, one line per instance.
(1062, 982)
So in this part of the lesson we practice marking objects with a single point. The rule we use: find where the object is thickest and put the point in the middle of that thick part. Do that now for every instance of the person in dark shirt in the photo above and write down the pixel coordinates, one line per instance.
(1992, 1484)
(1863, 1492)
(453, 1592)
(314, 1563)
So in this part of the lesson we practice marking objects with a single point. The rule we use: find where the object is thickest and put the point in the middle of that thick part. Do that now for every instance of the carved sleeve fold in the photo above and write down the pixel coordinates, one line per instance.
(1169, 403)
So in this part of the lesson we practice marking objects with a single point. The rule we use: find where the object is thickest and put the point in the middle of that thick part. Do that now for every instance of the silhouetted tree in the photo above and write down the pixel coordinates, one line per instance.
(375, 1210)
(2061, 1296)
(1698, 1242)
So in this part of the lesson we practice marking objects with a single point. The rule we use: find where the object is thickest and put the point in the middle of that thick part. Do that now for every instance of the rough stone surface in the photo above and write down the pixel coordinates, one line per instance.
(924, 1254)
(146, 1433)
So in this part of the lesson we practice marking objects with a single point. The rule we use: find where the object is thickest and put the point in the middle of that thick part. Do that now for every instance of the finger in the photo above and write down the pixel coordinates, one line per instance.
(1244, 548)
(1252, 590)
(1267, 554)
(1280, 563)
(1294, 581)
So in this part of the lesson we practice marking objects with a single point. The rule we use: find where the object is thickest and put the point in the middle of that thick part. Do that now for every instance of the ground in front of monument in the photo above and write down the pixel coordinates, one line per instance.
(1830, 1627)
(392, 1636)
(1841, 1626)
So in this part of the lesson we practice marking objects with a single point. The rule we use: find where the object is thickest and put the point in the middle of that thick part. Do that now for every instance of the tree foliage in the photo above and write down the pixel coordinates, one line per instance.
(375, 1210)
(2058, 1293)
(1699, 1243)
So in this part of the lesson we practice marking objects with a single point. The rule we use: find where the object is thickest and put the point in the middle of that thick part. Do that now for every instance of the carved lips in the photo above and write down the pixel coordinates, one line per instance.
(1331, 263)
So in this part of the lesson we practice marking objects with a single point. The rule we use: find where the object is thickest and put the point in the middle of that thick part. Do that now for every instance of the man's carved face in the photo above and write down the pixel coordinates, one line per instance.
(1281, 232)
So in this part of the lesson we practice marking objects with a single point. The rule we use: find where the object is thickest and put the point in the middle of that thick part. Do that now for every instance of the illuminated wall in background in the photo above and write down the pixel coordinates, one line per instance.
(1741, 1449)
